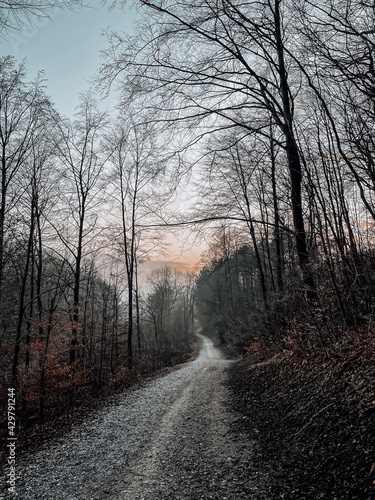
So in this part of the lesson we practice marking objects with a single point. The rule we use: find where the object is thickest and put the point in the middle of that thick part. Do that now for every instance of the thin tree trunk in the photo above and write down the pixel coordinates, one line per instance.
(277, 231)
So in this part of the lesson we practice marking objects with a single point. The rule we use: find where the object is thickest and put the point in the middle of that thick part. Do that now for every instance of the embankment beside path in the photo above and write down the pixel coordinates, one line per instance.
(314, 423)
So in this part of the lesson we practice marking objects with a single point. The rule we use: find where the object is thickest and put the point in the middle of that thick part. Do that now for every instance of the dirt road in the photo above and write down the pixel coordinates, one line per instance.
(168, 439)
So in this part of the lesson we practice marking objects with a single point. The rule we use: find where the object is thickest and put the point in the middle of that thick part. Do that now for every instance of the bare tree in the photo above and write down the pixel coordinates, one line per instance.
(82, 160)
(23, 107)
(219, 65)
(236, 166)
(169, 308)
(16, 15)
(136, 178)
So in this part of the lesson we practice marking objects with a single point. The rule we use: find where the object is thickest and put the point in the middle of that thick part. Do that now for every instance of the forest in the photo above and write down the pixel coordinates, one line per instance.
(264, 112)
(75, 195)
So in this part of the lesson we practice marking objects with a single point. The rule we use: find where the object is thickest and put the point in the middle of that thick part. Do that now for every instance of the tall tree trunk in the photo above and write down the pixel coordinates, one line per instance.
(2, 219)
(130, 321)
(76, 290)
(21, 308)
(294, 160)
(137, 306)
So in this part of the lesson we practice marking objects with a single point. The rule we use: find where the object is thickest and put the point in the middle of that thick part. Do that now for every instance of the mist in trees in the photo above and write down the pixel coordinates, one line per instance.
(170, 311)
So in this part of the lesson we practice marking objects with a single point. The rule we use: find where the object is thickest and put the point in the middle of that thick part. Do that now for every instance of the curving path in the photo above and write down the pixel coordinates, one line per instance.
(167, 439)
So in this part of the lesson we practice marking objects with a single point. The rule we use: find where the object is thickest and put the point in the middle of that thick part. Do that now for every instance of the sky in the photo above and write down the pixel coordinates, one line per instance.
(67, 48)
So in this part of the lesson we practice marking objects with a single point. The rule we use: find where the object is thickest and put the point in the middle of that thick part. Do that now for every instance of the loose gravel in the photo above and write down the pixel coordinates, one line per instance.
(168, 439)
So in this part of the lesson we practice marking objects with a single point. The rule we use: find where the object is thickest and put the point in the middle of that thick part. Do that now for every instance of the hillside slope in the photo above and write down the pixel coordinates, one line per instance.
(315, 422)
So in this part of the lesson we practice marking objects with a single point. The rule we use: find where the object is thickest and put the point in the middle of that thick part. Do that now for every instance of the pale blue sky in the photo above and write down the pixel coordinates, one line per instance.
(67, 48)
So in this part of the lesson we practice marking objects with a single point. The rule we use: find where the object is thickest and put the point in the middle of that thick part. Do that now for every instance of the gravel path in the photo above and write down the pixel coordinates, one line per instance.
(168, 439)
